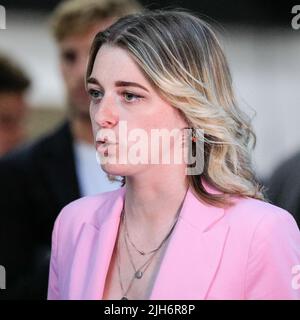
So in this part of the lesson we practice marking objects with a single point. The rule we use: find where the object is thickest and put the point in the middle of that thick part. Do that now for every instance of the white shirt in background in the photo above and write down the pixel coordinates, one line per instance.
(91, 178)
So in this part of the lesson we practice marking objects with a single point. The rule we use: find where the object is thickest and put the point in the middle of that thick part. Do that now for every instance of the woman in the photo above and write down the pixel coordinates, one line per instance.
(170, 232)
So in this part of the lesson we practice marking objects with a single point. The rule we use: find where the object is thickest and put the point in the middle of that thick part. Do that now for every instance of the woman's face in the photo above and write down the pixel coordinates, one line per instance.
(128, 115)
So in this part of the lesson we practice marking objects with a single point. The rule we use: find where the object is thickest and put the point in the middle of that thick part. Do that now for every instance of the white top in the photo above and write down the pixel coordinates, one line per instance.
(91, 178)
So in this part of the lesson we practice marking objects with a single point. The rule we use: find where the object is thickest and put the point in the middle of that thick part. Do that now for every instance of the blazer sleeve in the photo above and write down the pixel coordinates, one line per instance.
(53, 283)
(274, 256)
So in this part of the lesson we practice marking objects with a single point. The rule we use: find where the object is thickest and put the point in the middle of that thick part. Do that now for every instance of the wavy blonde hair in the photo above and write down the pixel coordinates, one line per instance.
(181, 56)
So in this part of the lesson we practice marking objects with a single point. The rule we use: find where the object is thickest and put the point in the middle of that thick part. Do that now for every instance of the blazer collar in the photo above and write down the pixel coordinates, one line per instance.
(93, 252)
(195, 248)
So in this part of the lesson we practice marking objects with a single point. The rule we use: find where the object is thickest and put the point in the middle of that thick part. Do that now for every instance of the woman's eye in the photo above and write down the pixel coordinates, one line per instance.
(95, 94)
(129, 97)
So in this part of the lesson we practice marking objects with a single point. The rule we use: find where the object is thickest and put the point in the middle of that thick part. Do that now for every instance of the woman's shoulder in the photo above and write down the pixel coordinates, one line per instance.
(89, 209)
(248, 213)
(245, 213)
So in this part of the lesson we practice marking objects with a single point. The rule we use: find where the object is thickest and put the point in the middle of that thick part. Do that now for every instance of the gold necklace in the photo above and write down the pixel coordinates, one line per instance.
(143, 253)
(138, 273)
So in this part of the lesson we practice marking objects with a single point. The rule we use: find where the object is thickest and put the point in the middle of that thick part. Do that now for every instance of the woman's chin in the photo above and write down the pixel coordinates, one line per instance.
(114, 169)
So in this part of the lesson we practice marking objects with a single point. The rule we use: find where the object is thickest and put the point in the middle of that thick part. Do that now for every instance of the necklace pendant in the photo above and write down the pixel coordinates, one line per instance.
(124, 298)
(139, 274)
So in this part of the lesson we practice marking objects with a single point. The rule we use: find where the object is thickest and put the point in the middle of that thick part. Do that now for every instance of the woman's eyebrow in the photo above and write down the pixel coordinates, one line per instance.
(118, 83)
(93, 81)
(129, 84)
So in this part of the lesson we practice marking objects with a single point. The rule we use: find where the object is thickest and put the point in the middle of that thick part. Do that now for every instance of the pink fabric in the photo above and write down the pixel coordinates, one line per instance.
(246, 251)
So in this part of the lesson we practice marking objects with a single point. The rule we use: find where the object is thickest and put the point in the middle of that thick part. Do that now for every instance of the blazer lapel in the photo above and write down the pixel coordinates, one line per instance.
(94, 251)
(193, 254)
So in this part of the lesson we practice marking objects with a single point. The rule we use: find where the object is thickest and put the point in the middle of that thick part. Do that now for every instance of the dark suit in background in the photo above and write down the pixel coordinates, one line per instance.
(36, 182)
(283, 188)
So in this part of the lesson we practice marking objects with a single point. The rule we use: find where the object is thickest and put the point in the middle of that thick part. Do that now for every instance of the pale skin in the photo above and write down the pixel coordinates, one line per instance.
(154, 193)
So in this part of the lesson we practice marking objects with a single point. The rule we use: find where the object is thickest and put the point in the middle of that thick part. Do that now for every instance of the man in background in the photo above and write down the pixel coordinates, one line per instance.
(14, 84)
(39, 180)
(283, 188)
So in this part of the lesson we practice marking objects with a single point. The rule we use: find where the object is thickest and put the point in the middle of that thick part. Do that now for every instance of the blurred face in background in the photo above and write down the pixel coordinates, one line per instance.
(74, 51)
(13, 110)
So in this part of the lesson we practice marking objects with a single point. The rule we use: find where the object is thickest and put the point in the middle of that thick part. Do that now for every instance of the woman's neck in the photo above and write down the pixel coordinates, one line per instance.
(152, 204)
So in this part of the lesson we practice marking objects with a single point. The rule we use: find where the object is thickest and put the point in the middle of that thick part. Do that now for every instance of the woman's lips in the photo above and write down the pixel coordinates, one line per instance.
(102, 147)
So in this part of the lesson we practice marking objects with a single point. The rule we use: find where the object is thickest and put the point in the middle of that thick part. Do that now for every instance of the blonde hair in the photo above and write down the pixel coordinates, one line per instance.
(77, 16)
(181, 56)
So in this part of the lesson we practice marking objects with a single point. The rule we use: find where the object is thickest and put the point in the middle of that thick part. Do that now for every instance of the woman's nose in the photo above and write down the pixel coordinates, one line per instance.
(106, 114)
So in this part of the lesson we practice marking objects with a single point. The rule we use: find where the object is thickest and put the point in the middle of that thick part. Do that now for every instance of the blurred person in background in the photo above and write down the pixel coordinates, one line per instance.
(283, 187)
(39, 180)
(14, 84)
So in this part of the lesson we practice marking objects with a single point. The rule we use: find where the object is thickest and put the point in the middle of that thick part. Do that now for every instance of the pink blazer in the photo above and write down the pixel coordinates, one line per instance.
(248, 251)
